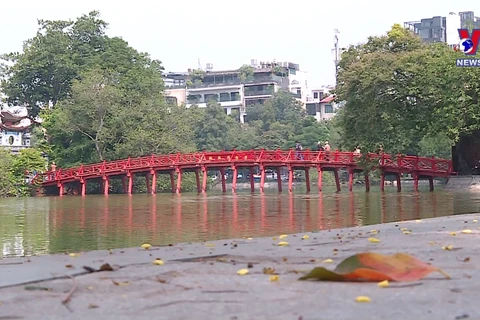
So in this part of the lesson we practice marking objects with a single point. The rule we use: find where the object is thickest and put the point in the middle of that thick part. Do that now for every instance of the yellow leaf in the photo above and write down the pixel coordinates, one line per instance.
(242, 272)
(274, 278)
(373, 231)
(146, 246)
(158, 262)
(249, 238)
(274, 238)
(449, 248)
(453, 233)
(383, 284)
(467, 231)
(74, 255)
(328, 261)
(373, 240)
(418, 220)
(283, 243)
(283, 236)
(305, 237)
(432, 242)
(362, 299)
(407, 232)
(210, 244)
(474, 220)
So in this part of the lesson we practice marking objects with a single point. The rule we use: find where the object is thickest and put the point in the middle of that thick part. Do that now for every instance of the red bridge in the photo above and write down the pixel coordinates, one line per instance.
(202, 162)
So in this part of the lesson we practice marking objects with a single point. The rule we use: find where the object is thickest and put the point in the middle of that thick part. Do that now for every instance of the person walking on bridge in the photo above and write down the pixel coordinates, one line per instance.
(298, 151)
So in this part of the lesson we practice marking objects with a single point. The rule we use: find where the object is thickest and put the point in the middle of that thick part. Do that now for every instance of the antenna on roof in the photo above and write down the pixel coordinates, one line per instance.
(199, 65)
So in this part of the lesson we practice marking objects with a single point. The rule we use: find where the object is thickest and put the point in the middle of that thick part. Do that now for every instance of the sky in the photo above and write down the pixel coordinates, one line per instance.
(229, 34)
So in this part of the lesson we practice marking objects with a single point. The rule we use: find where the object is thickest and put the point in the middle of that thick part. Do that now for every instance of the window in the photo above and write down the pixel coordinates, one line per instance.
(235, 96)
(315, 95)
(211, 97)
(224, 96)
(328, 108)
(10, 140)
(311, 109)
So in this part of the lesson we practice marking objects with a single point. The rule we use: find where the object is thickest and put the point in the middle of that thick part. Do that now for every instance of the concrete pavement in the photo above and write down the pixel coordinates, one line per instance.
(200, 281)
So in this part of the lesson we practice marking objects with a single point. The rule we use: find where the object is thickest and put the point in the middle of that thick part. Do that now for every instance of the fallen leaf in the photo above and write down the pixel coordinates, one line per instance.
(158, 262)
(373, 240)
(283, 236)
(474, 220)
(126, 283)
(371, 266)
(249, 238)
(383, 284)
(283, 243)
(242, 272)
(161, 280)
(373, 231)
(92, 306)
(328, 261)
(68, 266)
(105, 267)
(467, 259)
(305, 237)
(453, 233)
(274, 238)
(467, 231)
(362, 299)
(284, 259)
(90, 288)
(448, 248)
(249, 265)
(274, 278)
(403, 229)
(222, 259)
(418, 220)
(146, 246)
(407, 232)
(74, 255)
(269, 271)
(210, 244)
(432, 242)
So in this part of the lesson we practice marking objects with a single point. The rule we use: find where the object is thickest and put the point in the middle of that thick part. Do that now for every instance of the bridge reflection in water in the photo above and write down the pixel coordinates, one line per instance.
(99, 222)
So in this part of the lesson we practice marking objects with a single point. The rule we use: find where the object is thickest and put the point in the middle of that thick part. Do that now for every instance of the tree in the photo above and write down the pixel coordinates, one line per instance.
(28, 161)
(246, 73)
(7, 177)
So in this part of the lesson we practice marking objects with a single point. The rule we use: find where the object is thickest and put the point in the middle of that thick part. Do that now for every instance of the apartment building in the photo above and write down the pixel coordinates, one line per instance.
(234, 90)
(444, 29)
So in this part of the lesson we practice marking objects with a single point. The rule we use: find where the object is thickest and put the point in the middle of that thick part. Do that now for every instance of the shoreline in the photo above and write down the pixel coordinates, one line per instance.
(201, 279)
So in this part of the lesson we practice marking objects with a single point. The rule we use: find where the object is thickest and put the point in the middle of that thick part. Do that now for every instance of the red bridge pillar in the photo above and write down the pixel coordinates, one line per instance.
(224, 183)
(130, 183)
(205, 177)
(83, 187)
(307, 178)
(179, 180)
(234, 181)
(337, 179)
(61, 188)
(106, 185)
(279, 180)
(320, 177)
(197, 180)
(153, 188)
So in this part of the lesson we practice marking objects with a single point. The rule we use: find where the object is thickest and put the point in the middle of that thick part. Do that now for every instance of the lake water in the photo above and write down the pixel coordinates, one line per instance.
(34, 226)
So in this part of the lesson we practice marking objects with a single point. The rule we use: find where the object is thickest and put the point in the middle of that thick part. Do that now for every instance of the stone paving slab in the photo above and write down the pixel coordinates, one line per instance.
(199, 281)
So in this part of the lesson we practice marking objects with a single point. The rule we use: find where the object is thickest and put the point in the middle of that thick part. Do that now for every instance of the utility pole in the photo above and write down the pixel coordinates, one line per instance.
(336, 51)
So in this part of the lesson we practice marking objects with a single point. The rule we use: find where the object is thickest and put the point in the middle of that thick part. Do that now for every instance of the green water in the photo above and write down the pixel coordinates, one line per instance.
(34, 226)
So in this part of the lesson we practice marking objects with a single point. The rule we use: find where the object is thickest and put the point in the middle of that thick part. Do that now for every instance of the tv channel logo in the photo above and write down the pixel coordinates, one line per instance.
(468, 45)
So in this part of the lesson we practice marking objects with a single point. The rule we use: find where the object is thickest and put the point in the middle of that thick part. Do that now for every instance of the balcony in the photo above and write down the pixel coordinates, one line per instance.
(259, 91)
(236, 82)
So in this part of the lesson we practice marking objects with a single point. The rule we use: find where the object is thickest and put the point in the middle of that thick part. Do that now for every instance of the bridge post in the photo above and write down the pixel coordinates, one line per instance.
(320, 178)
(204, 176)
(307, 179)
(106, 185)
(367, 182)
(179, 180)
(252, 180)
(290, 179)
(224, 183)
(279, 180)
(234, 179)
(382, 181)
(153, 189)
(172, 181)
(83, 187)
(350, 179)
(399, 182)
(337, 179)
(147, 182)
(430, 182)
(130, 182)
(262, 179)
(415, 182)
(197, 180)
(61, 188)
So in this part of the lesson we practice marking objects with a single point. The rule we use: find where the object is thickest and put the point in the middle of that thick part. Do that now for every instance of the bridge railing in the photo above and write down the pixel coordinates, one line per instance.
(385, 161)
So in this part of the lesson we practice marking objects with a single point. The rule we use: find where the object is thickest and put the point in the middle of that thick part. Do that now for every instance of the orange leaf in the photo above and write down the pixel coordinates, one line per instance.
(375, 267)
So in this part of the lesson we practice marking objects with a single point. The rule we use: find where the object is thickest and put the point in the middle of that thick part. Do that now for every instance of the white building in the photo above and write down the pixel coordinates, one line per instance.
(321, 104)
(236, 89)
(14, 128)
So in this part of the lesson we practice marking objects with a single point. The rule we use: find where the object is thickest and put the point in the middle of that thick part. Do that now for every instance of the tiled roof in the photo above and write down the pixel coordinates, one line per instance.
(328, 99)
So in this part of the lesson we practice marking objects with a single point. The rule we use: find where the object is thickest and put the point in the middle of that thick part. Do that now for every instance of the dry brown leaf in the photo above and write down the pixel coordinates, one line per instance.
(92, 306)
(105, 267)
(117, 283)
(68, 266)
(270, 271)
